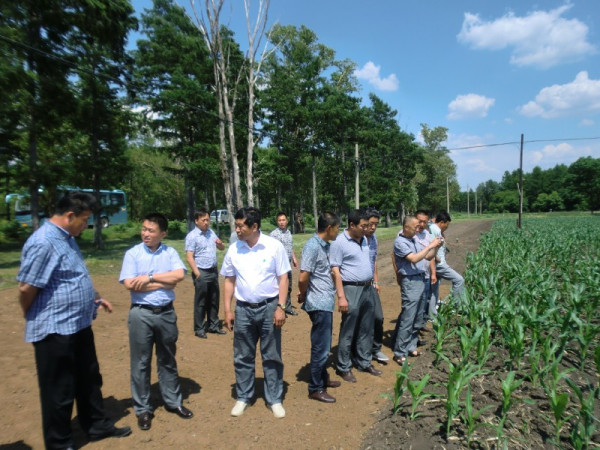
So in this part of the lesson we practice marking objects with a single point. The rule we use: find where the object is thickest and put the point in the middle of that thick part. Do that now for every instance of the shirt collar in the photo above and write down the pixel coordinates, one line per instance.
(362, 239)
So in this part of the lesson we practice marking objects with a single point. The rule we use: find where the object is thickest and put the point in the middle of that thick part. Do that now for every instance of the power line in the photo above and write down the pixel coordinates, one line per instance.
(525, 142)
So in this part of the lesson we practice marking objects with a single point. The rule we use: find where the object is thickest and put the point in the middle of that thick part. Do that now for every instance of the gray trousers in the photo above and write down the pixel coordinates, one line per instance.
(408, 334)
(444, 271)
(250, 325)
(206, 302)
(356, 331)
(147, 329)
(378, 323)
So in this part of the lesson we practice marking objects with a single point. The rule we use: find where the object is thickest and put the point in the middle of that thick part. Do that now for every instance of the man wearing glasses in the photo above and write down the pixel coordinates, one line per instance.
(353, 274)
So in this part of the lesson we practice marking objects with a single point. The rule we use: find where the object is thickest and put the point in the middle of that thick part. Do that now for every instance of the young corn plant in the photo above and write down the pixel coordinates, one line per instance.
(417, 394)
(442, 332)
(585, 427)
(470, 417)
(484, 343)
(399, 387)
(558, 404)
(509, 385)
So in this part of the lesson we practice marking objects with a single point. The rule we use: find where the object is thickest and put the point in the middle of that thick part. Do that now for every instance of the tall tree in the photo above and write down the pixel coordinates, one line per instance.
(99, 48)
(585, 178)
(173, 81)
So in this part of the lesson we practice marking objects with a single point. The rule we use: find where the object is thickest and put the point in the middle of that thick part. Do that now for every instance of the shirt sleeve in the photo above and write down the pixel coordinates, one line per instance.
(282, 262)
(176, 262)
(129, 267)
(38, 264)
(309, 258)
(402, 249)
(227, 269)
(335, 253)
(189, 242)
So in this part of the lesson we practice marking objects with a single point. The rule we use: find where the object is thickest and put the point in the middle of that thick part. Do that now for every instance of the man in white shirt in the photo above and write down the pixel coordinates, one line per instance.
(256, 273)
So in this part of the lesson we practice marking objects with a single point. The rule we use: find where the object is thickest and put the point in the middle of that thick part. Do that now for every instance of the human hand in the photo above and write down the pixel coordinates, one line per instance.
(342, 304)
(279, 317)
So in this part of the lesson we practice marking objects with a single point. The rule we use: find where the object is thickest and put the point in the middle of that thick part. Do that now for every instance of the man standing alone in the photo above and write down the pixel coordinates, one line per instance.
(283, 235)
(353, 276)
(150, 272)
(201, 246)
(317, 293)
(59, 304)
(256, 273)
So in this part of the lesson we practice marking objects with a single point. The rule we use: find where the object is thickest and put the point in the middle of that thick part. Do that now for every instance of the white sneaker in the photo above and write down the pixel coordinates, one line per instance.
(278, 410)
(238, 408)
(381, 357)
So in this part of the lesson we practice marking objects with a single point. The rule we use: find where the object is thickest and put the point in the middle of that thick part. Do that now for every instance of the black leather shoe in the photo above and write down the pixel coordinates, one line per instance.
(145, 420)
(291, 312)
(347, 376)
(321, 396)
(182, 412)
(421, 342)
(218, 331)
(372, 370)
(333, 383)
(113, 432)
(200, 334)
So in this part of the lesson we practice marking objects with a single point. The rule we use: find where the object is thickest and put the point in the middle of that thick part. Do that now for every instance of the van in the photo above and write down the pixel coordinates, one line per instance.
(219, 216)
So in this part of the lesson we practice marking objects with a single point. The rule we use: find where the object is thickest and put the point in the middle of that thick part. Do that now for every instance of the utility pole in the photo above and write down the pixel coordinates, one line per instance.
(356, 175)
(468, 206)
(447, 196)
(520, 186)
(475, 201)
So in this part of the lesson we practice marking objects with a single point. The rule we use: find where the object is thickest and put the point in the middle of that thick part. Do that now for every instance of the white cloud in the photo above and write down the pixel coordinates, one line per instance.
(582, 95)
(469, 106)
(563, 153)
(370, 73)
(542, 38)
(587, 123)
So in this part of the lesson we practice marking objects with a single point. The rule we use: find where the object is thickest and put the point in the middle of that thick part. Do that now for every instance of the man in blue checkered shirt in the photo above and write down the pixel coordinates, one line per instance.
(59, 304)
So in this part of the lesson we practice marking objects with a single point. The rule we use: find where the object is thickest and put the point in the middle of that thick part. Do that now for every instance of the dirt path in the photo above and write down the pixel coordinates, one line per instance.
(206, 369)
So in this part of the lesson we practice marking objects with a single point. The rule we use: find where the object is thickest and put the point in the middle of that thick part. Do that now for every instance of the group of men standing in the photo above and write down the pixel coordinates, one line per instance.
(59, 303)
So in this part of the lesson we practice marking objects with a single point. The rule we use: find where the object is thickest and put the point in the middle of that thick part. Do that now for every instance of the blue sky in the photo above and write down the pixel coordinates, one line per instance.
(486, 70)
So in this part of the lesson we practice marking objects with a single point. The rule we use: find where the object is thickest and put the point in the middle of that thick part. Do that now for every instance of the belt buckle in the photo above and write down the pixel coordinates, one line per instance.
(157, 310)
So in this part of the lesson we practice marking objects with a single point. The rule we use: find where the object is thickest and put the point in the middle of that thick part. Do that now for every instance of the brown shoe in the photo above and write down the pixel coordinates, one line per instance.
(346, 376)
(372, 370)
(333, 383)
(321, 396)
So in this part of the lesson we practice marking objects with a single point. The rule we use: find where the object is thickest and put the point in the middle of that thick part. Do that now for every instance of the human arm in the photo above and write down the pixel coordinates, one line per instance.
(433, 272)
(279, 316)
(302, 285)
(220, 244)
(164, 280)
(189, 256)
(27, 293)
(339, 289)
(427, 253)
(376, 279)
(294, 260)
(228, 289)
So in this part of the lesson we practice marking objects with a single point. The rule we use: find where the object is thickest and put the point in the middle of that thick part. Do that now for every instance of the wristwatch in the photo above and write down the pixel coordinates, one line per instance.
(281, 306)
(151, 278)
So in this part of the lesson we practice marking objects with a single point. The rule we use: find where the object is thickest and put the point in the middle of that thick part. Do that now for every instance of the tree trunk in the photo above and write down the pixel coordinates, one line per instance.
(190, 202)
(314, 190)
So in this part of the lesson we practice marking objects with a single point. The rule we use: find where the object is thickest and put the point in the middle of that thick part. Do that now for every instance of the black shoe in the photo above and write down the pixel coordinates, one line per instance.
(113, 432)
(200, 334)
(421, 342)
(145, 420)
(181, 411)
(290, 312)
(372, 370)
(218, 331)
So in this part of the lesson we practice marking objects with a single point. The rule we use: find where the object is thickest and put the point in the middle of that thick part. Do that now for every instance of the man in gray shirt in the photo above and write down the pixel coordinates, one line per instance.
(283, 235)
(411, 259)
(353, 276)
(317, 295)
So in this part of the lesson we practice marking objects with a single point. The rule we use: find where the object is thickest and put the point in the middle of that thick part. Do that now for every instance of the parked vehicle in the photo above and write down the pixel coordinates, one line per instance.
(219, 216)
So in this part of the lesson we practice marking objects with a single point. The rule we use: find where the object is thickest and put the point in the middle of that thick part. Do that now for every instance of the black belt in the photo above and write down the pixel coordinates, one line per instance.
(420, 275)
(212, 269)
(357, 283)
(154, 309)
(256, 305)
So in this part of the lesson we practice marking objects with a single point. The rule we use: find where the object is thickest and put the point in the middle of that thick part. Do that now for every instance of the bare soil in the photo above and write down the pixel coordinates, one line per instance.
(360, 418)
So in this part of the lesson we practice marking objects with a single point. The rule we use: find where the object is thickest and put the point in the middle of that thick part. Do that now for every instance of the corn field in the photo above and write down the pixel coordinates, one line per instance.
(517, 364)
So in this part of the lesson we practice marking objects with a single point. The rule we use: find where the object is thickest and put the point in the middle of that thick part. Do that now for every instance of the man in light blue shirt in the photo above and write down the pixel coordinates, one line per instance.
(150, 272)
(353, 276)
(284, 235)
(59, 303)
(201, 246)
(317, 295)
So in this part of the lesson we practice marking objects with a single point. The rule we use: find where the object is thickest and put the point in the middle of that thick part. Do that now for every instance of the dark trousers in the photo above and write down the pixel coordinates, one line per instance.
(320, 345)
(288, 301)
(378, 323)
(68, 371)
(206, 301)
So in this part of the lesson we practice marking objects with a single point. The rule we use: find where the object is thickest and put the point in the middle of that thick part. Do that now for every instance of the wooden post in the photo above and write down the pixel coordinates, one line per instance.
(519, 223)
(356, 177)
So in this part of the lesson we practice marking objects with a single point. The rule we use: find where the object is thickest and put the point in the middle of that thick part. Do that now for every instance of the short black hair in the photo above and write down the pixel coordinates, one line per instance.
(76, 202)
(327, 219)
(281, 213)
(443, 216)
(421, 212)
(372, 212)
(407, 219)
(158, 219)
(356, 215)
(200, 213)
(250, 214)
